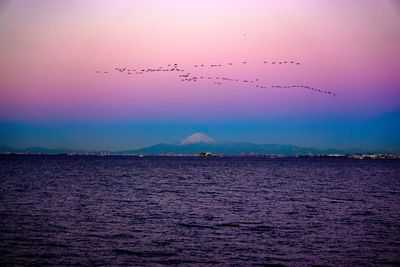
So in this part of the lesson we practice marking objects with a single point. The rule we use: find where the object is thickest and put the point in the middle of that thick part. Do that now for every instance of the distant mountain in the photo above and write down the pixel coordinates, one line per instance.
(198, 142)
(37, 150)
(230, 149)
(197, 138)
(195, 144)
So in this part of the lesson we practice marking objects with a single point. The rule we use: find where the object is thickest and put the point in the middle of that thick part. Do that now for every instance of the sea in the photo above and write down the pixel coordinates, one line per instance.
(65, 210)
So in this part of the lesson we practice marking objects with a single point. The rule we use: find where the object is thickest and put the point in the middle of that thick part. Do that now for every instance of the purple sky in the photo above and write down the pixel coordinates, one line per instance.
(51, 51)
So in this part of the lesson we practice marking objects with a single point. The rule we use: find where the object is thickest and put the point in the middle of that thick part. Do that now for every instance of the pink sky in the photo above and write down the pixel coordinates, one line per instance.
(50, 52)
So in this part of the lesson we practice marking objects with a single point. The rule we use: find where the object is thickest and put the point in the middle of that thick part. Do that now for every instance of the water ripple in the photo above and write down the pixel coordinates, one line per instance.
(122, 211)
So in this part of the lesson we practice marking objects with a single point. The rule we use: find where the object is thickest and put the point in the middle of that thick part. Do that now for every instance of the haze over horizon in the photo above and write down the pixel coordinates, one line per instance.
(53, 95)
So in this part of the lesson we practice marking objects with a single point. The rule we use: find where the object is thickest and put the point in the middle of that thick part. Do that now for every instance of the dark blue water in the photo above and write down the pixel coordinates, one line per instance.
(111, 211)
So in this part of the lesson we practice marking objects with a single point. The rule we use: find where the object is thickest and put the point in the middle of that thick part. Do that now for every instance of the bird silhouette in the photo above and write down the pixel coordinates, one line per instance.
(188, 77)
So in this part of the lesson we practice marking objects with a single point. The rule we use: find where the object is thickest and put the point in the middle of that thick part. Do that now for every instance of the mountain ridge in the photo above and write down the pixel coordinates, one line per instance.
(199, 142)
(232, 148)
(221, 148)
(193, 145)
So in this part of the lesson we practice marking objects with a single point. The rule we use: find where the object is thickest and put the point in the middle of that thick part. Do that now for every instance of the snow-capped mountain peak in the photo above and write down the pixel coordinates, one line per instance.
(197, 138)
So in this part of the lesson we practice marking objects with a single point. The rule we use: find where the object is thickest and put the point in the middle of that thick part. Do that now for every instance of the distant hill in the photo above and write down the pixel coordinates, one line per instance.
(229, 149)
(199, 142)
(37, 150)
(195, 144)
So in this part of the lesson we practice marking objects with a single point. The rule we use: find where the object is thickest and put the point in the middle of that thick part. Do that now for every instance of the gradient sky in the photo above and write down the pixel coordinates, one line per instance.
(51, 95)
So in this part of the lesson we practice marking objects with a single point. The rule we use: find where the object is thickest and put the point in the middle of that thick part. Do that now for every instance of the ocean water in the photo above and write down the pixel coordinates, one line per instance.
(124, 211)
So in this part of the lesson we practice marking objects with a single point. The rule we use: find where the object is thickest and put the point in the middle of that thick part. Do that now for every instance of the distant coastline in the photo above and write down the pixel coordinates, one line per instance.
(199, 144)
(372, 156)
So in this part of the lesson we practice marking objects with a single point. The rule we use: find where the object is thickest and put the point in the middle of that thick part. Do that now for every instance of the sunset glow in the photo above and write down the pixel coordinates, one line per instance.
(51, 50)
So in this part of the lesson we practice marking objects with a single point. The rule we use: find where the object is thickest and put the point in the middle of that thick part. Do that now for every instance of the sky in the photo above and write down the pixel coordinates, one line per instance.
(59, 86)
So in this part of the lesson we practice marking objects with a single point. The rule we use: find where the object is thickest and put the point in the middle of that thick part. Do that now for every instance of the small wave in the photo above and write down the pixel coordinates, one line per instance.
(228, 225)
(261, 228)
(143, 254)
(362, 213)
(334, 200)
(190, 262)
(58, 245)
(271, 265)
(388, 262)
(193, 225)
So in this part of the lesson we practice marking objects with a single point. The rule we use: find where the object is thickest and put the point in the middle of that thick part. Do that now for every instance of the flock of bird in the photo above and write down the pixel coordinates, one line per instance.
(217, 80)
